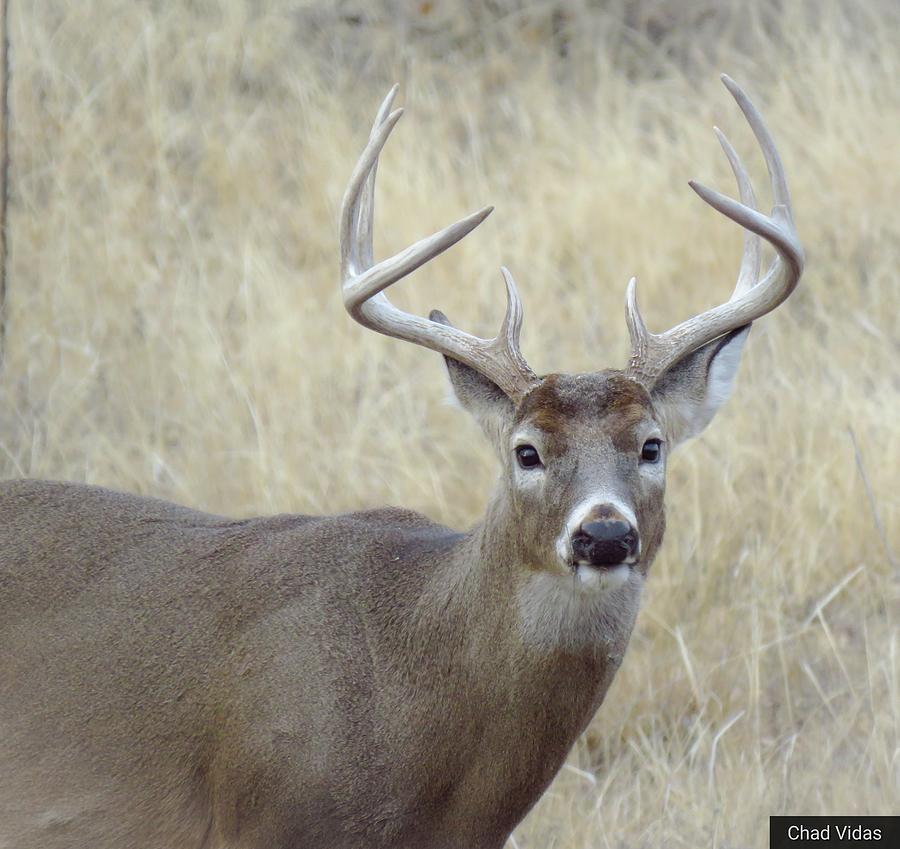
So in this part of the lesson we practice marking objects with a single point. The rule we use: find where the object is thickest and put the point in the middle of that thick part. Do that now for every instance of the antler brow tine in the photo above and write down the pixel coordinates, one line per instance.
(653, 353)
(363, 281)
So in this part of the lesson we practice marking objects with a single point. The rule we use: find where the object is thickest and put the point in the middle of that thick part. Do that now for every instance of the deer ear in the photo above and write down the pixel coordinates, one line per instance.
(692, 390)
(480, 396)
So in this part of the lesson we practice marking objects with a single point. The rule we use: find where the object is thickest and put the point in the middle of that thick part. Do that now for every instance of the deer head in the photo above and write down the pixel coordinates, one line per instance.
(583, 455)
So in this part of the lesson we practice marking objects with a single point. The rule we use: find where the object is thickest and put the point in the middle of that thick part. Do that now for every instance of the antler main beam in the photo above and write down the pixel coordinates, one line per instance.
(653, 353)
(363, 281)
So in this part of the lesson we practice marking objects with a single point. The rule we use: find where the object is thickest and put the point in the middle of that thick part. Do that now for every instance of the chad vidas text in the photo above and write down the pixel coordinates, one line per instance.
(833, 830)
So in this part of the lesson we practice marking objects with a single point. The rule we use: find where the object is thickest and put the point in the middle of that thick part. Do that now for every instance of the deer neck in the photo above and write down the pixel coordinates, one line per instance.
(524, 666)
(539, 627)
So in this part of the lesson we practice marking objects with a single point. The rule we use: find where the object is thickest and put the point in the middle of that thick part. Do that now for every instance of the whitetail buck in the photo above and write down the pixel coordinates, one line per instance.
(175, 680)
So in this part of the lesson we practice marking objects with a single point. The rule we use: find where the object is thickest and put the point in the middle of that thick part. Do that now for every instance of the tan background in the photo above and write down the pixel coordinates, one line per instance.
(174, 328)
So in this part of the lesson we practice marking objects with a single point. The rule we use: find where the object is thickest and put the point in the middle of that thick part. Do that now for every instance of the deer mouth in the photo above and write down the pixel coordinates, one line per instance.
(602, 577)
(586, 571)
(581, 563)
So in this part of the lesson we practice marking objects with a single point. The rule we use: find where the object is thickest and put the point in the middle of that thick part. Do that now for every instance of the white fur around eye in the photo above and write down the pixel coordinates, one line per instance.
(528, 480)
(654, 470)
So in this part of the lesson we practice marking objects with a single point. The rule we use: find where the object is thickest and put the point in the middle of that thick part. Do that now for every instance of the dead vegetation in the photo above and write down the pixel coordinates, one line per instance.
(173, 327)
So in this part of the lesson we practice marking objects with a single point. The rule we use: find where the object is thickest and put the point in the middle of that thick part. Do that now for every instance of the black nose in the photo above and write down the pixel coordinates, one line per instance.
(605, 542)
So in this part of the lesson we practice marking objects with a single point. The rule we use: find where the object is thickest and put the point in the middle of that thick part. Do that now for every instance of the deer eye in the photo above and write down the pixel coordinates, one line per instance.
(528, 457)
(652, 451)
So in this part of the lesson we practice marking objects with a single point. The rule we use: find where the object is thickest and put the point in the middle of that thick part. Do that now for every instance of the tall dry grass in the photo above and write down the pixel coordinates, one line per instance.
(174, 328)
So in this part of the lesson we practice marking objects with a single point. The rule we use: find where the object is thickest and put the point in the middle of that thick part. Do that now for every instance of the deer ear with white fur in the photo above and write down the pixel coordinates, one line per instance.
(690, 392)
(477, 394)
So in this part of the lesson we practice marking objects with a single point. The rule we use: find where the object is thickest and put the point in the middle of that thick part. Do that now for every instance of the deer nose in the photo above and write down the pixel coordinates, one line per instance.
(605, 542)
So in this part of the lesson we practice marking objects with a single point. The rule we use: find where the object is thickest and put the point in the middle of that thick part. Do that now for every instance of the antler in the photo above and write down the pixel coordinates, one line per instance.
(363, 281)
(653, 353)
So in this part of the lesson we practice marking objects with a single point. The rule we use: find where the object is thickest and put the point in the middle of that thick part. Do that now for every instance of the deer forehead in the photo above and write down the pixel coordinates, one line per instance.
(569, 409)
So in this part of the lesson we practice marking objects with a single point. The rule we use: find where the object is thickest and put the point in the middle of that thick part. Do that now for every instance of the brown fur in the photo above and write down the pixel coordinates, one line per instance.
(174, 678)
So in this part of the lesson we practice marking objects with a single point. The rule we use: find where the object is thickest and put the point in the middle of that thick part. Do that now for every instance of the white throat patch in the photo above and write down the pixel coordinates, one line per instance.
(587, 607)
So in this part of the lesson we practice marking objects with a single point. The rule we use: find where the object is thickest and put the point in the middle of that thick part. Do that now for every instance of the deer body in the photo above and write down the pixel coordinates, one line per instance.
(199, 681)
(171, 678)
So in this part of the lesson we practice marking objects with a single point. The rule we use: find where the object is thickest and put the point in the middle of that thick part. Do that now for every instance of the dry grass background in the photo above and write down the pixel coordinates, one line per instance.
(174, 328)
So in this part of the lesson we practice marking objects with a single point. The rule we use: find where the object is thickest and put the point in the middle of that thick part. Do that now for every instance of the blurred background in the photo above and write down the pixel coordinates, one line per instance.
(173, 327)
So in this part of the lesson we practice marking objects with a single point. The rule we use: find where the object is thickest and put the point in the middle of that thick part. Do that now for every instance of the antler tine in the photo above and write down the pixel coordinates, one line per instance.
(365, 214)
(363, 281)
(781, 196)
(653, 353)
(356, 235)
(748, 274)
